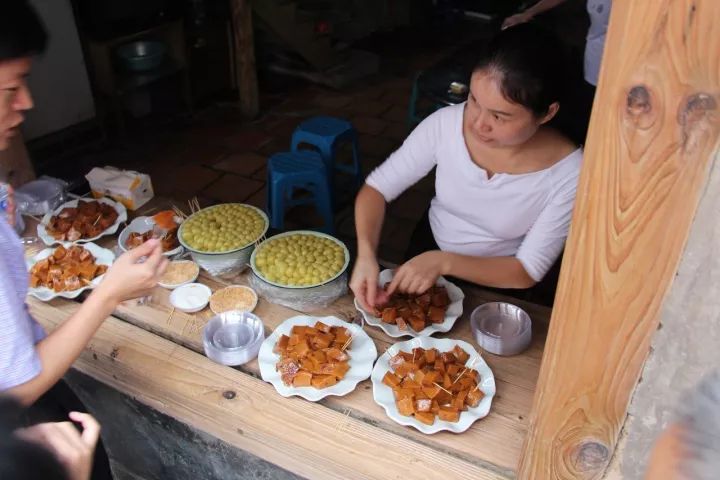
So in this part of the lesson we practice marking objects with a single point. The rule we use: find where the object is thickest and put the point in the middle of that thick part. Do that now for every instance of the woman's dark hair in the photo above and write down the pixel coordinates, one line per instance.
(22, 33)
(20, 459)
(532, 64)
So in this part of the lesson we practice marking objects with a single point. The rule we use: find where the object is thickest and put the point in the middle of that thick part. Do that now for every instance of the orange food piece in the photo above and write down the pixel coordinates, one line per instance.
(427, 418)
(417, 323)
(303, 378)
(430, 355)
(461, 355)
(474, 397)
(410, 384)
(449, 414)
(391, 380)
(321, 327)
(423, 404)
(323, 381)
(389, 315)
(406, 406)
(436, 314)
(431, 392)
(165, 219)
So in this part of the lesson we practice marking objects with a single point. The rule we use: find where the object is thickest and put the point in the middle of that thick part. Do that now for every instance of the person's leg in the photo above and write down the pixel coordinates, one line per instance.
(54, 406)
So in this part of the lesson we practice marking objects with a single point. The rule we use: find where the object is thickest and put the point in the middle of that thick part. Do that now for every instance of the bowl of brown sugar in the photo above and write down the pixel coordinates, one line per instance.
(178, 273)
(233, 298)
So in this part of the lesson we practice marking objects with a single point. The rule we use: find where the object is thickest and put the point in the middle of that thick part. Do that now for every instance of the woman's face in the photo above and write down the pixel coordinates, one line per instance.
(14, 97)
(493, 120)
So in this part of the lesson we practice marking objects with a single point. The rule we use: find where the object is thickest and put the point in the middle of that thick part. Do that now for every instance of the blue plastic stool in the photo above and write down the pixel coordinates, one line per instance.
(325, 134)
(289, 171)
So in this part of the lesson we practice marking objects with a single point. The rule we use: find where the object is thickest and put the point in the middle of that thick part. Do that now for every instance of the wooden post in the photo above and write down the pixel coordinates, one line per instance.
(241, 14)
(653, 133)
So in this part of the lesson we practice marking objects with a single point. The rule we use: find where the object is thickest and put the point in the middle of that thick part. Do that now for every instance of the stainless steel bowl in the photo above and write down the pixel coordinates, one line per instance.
(141, 55)
(501, 328)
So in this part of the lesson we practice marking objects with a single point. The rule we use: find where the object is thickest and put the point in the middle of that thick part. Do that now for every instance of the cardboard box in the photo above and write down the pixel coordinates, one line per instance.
(132, 189)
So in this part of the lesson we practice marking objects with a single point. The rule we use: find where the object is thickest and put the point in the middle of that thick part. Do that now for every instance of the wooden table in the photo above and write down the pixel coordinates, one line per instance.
(144, 352)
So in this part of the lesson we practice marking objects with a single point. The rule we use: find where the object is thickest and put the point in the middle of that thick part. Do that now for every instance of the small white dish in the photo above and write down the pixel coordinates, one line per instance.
(190, 298)
(103, 256)
(50, 240)
(362, 353)
(383, 395)
(172, 286)
(454, 311)
(142, 225)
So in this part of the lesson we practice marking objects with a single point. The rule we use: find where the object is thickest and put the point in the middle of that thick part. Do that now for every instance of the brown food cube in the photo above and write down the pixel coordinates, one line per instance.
(448, 357)
(336, 355)
(440, 297)
(340, 370)
(430, 355)
(447, 381)
(396, 361)
(322, 340)
(459, 401)
(449, 414)
(423, 405)
(461, 355)
(302, 348)
(474, 397)
(418, 376)
(391, 380)
(406, 406)
(428, 418)
(298, 330)
(294, 339)
(417, 323)
(323, 381)
(302, 378)
(341, 336)
(320, 326)
(430, 377)
(389, 315)
(443, 398)
(404, 312)
(435, 408)
(424, 300)
(405, 368)
(436, 314)
(410, 384)
(431, 391)
(440, 365)
(453, 369)
(320, 356)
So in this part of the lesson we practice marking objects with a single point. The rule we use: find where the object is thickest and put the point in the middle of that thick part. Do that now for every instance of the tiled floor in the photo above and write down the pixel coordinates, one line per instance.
(219, 157)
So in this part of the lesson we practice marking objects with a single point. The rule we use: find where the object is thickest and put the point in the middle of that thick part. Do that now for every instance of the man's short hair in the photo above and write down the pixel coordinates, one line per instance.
(22, 33)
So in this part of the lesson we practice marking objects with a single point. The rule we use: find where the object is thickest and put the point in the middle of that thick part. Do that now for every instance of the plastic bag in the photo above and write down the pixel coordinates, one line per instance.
(40, 196)
(303, 299)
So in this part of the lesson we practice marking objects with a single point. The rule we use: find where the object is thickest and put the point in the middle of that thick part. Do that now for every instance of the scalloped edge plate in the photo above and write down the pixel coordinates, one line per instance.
(362, 356)
(141, 225)
(49, 240)
(103, 256)
(383, 395)
(454, 311)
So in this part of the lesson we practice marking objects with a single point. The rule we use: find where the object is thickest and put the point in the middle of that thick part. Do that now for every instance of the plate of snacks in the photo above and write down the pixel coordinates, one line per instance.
(67, 271)
(80, 221)
(163, 225)
(233, 298)
(300, 259)
(436, 310)
(433, 384)
(179, 273)
(313, 357)
(222, 237)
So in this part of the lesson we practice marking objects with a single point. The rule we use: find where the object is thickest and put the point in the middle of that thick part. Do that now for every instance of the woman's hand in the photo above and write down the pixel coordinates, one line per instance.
(419, 273)
(130, 277)
(72, 449)
(516, 19)
(364, 282)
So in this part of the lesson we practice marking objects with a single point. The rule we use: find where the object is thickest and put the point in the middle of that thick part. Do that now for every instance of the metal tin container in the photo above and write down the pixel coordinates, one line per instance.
(501, 328)
(233, 338)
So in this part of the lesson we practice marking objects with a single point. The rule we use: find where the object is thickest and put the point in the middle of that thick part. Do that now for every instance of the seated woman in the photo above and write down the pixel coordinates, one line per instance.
(505, 181)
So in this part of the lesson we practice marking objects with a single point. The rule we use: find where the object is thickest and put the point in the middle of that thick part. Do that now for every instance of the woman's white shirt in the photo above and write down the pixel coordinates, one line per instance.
(526, 215)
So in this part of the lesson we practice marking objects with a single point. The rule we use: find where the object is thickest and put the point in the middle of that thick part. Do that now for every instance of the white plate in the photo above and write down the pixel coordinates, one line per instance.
(50, 240)
(142, 225)
(300, 232)
(362, 355)
(453, 312)
(383, 395)
(103, 256)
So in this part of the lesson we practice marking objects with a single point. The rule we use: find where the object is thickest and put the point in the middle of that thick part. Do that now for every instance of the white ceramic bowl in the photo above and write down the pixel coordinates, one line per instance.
(50, 240)
(142, 225)
(256, 270)
(362, 353)
(171, 286)
(103, 256)
(224, 262)
(383, 395)
(454, 311)
(190, 298)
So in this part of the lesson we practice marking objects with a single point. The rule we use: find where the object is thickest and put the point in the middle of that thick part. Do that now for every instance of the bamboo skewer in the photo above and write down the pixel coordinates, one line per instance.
(441, 388)
(172, 311)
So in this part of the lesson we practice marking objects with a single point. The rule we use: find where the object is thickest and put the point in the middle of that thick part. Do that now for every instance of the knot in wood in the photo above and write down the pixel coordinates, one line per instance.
(696, 108)
(591, 456)
(639, 107)
(229, 394)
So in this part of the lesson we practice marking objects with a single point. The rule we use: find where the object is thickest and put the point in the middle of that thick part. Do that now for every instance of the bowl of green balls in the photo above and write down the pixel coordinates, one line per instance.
(221, 238)
(300, 259)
